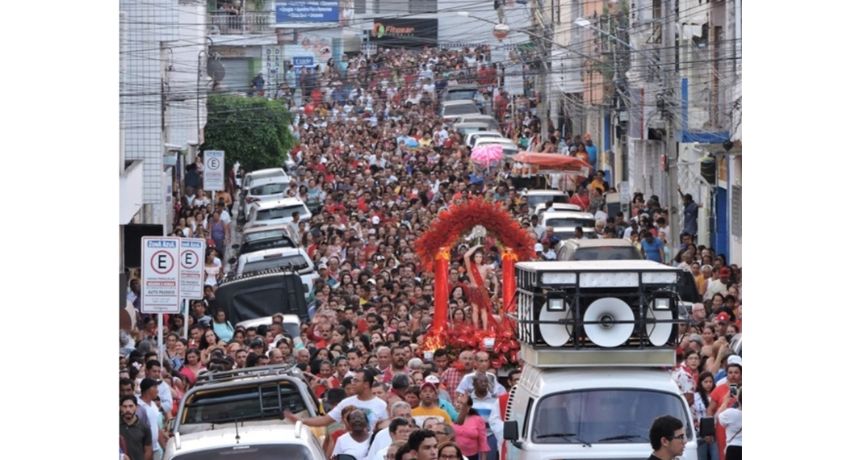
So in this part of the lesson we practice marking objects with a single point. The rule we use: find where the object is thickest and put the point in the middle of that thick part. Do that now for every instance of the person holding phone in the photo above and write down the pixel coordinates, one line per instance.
(729, 415)
(720, 393)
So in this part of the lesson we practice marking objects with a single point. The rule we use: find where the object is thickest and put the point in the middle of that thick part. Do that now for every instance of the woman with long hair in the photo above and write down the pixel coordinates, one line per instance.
(222, 327)
(193, 365)
(701, 400)
(470, 429)
(477, 293)
(213, 268)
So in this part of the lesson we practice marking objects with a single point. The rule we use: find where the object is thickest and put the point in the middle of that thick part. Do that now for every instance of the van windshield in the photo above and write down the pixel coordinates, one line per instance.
(252, 452)
(535, 200)
(607, 253)
(570, 222)
(603, 416)
(274, 188)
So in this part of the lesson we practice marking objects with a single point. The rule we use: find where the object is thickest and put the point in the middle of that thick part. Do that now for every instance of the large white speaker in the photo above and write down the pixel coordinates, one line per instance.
(606, 310)
(658, 333)
(555, 335)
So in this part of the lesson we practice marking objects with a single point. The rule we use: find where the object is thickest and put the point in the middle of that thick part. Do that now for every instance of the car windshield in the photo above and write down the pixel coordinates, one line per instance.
(603, 415)
(275, 188)
(569, 222)
(461, 109)
(607, 253)
(254, 452)
(285, 212)
(298, 261)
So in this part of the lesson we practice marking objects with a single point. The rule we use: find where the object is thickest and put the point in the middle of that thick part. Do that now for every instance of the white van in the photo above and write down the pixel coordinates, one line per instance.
(590, 413)
(598, 339)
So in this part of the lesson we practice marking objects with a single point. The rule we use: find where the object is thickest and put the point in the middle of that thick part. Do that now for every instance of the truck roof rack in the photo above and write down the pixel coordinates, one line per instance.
(260, 371)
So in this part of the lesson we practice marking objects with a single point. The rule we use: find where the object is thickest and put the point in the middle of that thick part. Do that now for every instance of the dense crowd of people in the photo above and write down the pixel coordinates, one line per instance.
(375, 164)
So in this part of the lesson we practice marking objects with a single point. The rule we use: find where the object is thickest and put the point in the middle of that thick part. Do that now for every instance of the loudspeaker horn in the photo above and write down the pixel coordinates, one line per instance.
(555, 335)
(658, 333)
(606, 333)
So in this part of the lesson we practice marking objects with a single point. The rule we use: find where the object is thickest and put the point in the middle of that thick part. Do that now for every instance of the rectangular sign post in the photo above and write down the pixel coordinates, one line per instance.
(213, 170)
(160, 284)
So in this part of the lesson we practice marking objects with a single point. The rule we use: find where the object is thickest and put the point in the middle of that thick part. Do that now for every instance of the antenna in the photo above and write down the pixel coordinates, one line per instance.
(236, 421)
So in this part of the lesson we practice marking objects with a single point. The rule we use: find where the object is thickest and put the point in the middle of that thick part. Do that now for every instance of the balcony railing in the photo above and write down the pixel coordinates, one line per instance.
(249, 22)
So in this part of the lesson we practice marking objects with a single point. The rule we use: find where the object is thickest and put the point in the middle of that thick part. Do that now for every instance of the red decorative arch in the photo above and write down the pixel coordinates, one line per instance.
(459, 219)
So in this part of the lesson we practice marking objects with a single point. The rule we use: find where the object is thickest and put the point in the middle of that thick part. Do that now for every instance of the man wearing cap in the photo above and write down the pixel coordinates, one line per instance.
(153, 371)
(719, 285)
(429, 405)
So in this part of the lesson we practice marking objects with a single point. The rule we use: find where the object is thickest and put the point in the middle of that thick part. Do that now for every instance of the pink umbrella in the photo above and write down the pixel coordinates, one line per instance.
(487, 155)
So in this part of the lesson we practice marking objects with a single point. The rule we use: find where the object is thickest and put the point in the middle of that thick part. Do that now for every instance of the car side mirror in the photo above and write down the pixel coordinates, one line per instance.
(512, 432)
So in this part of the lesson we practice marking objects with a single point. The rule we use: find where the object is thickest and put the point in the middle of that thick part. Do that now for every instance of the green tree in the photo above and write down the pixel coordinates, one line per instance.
(251, 130)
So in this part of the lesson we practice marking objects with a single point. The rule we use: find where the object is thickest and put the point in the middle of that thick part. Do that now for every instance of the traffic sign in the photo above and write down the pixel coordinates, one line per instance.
(213, 170)
(191, 267)
(160, 266)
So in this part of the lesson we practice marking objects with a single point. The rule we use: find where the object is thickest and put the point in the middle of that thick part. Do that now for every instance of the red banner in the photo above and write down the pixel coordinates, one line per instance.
(440, 311)
(509, 284)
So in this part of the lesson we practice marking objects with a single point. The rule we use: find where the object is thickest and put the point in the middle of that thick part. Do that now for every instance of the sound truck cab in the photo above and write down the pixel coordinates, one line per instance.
(598, 339)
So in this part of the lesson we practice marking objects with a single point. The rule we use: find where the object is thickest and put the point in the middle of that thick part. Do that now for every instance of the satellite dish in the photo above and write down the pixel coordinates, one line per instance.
(215, 69)
(555, 335)
(608, 310)
(658, 333)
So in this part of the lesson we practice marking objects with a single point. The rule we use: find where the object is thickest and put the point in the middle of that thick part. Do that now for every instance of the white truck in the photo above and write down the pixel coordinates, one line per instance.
(599, 341)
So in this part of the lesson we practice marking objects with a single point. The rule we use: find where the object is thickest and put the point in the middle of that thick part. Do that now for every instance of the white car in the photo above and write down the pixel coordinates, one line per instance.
(567, 219)
(488, 119)
(508, 147)
(541, 208)
(473, 137)
(265, 189)
(280, 258)
(276, 212)
(292, 324)
(261, 176)
(536, 197)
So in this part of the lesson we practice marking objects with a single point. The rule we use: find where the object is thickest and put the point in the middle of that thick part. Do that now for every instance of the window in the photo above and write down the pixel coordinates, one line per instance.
(285, 212)
(422, 6)
(603, 415)
(606, 253)
(226, 405)
(570, 222)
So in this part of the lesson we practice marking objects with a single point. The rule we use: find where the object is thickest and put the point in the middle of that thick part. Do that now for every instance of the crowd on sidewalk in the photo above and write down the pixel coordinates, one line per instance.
(376, 163)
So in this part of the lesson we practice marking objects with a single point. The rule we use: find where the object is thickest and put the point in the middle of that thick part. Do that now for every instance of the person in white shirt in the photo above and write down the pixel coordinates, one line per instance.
(399, 410)
(730, 418)
(398, 430)
(482, 366)
(375, 408)
(487, 407)
(357, 441)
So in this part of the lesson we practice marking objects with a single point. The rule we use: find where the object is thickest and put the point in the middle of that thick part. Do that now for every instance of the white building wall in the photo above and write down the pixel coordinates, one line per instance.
(184, 95)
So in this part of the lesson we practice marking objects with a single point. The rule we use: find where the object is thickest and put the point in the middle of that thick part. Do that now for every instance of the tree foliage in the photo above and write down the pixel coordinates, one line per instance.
(251, 130)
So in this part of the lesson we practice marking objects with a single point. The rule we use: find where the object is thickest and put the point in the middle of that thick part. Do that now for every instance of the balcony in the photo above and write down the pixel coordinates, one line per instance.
(249, 22)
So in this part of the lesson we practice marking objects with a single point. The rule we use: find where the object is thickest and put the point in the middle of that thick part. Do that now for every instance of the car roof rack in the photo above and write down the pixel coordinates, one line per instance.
(285, 270)
(290, 370)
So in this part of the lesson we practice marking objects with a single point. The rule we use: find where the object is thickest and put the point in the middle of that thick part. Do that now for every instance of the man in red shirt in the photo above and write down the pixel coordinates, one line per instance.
(733, 380)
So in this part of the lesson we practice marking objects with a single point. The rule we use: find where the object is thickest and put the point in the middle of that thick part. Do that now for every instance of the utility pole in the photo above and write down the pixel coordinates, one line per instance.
(670, 75)
(538, 21)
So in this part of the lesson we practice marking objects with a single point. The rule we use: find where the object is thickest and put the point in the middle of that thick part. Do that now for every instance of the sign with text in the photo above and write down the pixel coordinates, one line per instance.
(160, 284)
(192, 256)
(307, 11)
(213, 170)
(405, 33)
(303, 61)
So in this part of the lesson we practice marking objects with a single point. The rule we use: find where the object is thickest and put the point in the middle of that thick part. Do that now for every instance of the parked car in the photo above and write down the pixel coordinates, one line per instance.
(598, 249)
(276, 212)
(489, 120)
(567, 219)
(508, 147)
(451, 109)
(267, 184)
(267, 237)
(541, 196)
(473, 137)
(247, 442)
(541, 208)
(468, 128)
(292, 324)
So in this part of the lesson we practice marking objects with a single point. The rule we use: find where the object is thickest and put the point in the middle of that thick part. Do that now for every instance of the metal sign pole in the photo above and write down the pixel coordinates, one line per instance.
(185, 323)
(160, 338)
